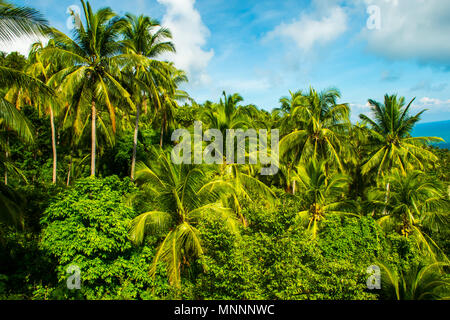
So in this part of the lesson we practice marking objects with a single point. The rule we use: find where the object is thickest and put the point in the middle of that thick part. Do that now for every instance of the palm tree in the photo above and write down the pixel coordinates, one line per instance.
(391, 141)
(245, 186)
(92, 61)
(227, 114)
(288, 105)
(322, 124)
(185, 194)
(20, 21)
(43, 71)
(145, 37)
(11, 119)
(413, 202)
(357, 147)
(419, 283)
(11, 211)
(322, 195)
(16, 22)
(170, 95)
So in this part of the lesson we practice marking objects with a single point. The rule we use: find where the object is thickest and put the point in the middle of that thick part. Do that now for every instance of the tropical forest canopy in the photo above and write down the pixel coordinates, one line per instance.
(88, 181)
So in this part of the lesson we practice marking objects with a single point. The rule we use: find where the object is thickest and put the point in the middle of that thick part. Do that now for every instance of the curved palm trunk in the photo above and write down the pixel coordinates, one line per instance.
(55, 157)
(93, 138)
(136, 131)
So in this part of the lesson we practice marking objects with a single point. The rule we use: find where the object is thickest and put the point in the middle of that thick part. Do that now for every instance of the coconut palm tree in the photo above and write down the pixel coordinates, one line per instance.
(288, 105)
(322, 124)
(321, 194)
(16, 22)
(425, 282)
(42, 71)
(245, 185)
(11, 119)
(391, 142)
(145, 37)
(92, 62)
(227, 114)
(413, 202)
(11, 211)
(357, 148)
(169, 96)
(185, 194)
(20, 21)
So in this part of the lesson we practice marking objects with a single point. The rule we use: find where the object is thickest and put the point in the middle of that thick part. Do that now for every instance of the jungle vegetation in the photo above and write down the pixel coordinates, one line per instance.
(87, 180)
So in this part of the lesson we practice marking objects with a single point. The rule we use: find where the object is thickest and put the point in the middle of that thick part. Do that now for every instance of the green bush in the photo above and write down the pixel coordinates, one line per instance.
(274, 259)
(88, 227)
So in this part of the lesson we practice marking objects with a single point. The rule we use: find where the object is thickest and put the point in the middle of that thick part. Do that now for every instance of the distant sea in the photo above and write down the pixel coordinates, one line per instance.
(434, 129)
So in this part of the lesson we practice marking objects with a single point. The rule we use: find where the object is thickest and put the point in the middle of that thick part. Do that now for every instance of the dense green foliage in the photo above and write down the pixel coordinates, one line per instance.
(101, 104)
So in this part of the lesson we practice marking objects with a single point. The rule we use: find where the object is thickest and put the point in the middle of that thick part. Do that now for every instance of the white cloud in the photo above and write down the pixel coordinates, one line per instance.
(433, 101)
(318, 28)
(437, 109)
(21, 45)
(189, 35)
(356, 109)
(411, 29)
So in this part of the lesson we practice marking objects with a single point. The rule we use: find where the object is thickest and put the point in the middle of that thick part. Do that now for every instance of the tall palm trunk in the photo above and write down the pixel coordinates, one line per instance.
(7, 156)
(388, 185)
(162, 130)
(136, 130)
(386, 199)
(93, 139)
(55, 158)
(70, 169)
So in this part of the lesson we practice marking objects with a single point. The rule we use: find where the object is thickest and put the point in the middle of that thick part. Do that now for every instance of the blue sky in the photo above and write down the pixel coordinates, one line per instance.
(264, 48)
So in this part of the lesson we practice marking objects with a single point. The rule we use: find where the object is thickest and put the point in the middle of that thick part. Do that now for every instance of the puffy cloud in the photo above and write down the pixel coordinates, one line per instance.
(322, 26)
(356, 109)
(433, 101)
(412, 29)
(22, 44)
(437, 109)
(189, 35)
